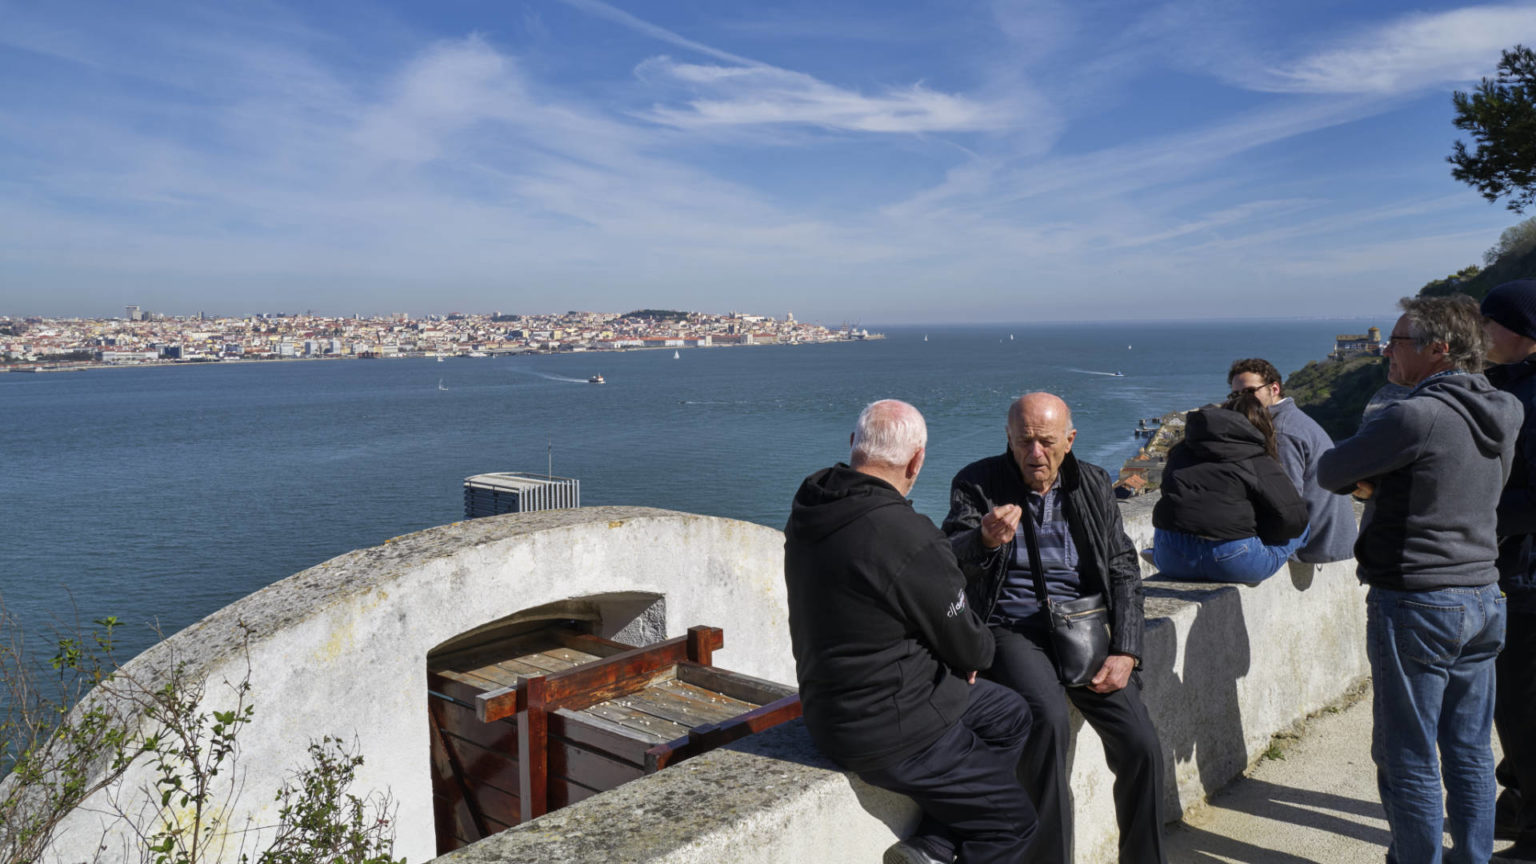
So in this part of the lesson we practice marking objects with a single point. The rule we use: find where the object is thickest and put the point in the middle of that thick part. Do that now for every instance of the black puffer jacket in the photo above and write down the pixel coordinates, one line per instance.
(1106, 556)
(878, 618)
(1220, 484)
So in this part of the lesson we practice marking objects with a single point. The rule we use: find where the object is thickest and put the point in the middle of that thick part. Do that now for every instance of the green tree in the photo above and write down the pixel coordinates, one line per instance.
(1514, 242)
(1501, 116)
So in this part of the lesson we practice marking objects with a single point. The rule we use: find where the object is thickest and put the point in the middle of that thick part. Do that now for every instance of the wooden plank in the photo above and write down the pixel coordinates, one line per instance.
(744, 687)
(499, 704)
(572, 655)
(455, 688)
(494, 676)
(445, 825)
(595, 645)
(579, 686)
(588, 767)
(563, 792)
(461, 722)
(545, 663)
(486, 767)
(678, 708)
(597, 734)
(466, 819)
(708, 737)
(710, 700)
(515, 666)
(639, 721)
(502, 649)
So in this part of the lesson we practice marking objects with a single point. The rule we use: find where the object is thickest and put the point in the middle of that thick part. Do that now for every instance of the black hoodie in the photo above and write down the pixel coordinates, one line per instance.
(1220, 484)
(882, 633)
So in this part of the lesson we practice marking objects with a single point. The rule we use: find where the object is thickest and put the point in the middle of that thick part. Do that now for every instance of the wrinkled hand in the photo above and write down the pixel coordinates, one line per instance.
(1364, 489)
(1114, 674)
(998, 526)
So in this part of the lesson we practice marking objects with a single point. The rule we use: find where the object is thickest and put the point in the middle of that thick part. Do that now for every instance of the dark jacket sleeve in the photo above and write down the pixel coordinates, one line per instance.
(930, 591)
(1517, 505)
(967, 504)
(1127, 617)
(1280, 514)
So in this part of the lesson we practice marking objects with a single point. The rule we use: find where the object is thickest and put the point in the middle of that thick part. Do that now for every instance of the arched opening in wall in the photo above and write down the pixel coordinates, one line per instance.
(555, 704)
(476, 771)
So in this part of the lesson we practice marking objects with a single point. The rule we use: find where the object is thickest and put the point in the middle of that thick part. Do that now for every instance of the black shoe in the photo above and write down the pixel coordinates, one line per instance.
(1521, 851)
(903, 852)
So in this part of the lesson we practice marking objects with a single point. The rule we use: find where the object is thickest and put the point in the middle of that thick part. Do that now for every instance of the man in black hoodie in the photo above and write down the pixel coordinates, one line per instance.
(1509, 320)
(887, 648)
(1432, 465)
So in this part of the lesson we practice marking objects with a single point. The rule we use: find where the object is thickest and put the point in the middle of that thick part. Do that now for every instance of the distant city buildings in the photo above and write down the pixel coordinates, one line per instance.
(142, 337)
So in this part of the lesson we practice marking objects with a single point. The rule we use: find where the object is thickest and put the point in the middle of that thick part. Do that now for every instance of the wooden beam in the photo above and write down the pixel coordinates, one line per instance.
(533, 751)
(702, 643)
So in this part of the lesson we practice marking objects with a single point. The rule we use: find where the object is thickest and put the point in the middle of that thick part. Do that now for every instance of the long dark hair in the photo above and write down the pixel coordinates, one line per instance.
(1248, 405)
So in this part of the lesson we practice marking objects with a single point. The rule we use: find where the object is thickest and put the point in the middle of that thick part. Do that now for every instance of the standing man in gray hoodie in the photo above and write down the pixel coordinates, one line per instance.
(1432, 467)
(1301, 442)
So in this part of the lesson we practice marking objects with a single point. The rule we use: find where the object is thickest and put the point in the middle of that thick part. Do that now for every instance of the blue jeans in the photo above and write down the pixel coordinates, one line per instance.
(1432, 668)
(1186, 556)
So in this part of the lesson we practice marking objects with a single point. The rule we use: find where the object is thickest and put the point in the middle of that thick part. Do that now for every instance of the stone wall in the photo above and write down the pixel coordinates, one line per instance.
(340, 649)
(1226, 668)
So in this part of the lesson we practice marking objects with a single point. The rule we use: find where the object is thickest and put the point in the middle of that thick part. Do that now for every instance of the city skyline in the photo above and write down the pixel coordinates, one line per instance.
(901, 163)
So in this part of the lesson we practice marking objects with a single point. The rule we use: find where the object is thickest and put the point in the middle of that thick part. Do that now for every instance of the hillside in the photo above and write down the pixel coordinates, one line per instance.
(1334, 392)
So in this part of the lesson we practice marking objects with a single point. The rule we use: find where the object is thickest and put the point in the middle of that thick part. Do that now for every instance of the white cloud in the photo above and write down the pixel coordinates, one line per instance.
(1412, 53)
(763, 95)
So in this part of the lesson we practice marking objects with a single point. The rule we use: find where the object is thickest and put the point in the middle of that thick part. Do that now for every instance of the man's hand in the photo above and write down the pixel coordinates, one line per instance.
(1114, 674)
(1364, 489)
(971, 679)
(998, 526)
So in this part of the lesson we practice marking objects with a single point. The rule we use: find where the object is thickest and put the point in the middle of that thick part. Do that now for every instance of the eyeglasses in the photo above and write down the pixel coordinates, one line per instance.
(1243, 390)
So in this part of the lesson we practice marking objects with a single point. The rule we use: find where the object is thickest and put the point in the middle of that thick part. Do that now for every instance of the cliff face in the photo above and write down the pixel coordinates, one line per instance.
(1335, 392)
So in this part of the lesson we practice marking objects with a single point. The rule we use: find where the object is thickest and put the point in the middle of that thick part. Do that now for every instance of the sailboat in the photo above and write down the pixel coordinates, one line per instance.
(1010, 337)
(439, 358)
(440, 384)
(925, 337)
(676, 356)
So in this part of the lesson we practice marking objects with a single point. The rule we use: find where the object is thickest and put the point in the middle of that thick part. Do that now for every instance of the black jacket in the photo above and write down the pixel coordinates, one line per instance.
(1517, 505)
(882, 633)
(1107, 558)
(1220, 484)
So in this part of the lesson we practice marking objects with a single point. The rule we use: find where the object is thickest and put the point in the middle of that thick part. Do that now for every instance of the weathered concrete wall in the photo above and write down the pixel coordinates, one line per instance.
(341, 648)
(1226, 667)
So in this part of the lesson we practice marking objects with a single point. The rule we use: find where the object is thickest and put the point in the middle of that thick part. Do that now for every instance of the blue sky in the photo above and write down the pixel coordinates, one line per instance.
(892, 162)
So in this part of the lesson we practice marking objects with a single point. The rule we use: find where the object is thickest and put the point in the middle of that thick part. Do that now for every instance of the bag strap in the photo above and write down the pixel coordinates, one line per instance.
(1032, 545)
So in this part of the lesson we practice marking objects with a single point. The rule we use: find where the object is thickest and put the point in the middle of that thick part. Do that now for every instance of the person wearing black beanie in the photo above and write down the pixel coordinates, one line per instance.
(1509, 318)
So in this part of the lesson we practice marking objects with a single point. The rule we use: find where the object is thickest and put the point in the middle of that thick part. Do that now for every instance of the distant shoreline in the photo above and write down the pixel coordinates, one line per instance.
(87, 365)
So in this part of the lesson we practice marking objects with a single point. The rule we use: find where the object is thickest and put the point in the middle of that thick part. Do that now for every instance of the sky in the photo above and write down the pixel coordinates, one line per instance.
(890, 162)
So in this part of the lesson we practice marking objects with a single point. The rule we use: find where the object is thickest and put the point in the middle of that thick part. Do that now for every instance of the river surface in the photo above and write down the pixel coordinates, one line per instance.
(163, 494)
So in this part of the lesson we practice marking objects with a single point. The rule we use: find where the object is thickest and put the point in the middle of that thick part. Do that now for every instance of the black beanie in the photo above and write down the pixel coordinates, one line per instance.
(1513, 305)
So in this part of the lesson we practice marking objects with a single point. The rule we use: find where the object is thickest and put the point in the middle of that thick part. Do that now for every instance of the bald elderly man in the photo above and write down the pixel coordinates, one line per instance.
(1083, 550)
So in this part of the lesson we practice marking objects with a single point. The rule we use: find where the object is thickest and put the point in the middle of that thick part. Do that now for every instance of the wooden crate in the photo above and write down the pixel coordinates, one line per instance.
(548, 718)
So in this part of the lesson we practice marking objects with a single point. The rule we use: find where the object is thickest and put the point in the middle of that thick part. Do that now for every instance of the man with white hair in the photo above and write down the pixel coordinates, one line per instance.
(887, 648)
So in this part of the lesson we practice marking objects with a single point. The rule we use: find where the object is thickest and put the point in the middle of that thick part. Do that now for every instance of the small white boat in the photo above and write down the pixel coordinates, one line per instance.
(676, 356)
(440, 384)
(439, 358)
(925, 337)
(595, 379)
(1010, 337)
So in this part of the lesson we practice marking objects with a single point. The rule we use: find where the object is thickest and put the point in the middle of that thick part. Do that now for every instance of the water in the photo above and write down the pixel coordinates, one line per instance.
(163, 494)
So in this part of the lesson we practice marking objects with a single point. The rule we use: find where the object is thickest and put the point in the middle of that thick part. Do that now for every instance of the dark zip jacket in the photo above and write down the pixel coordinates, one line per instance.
(1438, 459)
(882, 633)
(1220, 484)
(1106, 556)
(1517, 505)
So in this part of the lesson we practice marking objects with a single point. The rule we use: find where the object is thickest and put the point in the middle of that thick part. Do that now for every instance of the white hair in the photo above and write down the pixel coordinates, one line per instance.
(889, 432)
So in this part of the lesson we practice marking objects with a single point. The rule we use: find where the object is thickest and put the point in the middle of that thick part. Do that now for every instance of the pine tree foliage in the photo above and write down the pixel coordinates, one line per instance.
(1501, 116)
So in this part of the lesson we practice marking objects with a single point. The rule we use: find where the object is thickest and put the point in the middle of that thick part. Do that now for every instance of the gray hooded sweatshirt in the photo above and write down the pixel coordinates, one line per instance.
(1438, 459)
(1301, 441)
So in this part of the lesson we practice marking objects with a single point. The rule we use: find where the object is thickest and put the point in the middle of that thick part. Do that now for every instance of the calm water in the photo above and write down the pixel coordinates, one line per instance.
(165, 494)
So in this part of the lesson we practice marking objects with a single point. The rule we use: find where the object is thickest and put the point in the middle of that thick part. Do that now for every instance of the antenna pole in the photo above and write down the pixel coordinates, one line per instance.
(550, 471)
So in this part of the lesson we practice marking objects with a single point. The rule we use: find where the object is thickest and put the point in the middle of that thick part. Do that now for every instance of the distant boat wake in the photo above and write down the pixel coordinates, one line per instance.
(550, 377)
(1097, 372)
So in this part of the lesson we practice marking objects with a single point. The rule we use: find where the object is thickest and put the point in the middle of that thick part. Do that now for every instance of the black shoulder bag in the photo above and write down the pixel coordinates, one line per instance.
(1079, 628)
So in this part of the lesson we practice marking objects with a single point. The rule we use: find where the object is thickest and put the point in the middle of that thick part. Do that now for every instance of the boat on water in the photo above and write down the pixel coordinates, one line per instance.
(676, 356)
(1119, 374)
(439, 358)
(596, 379)
(925, 337)
(440, 384)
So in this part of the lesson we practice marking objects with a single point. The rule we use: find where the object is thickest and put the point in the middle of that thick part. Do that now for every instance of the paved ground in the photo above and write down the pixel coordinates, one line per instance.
(1318, 804)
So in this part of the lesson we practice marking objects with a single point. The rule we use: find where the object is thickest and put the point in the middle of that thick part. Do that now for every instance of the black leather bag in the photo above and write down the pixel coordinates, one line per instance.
(1079, 628)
